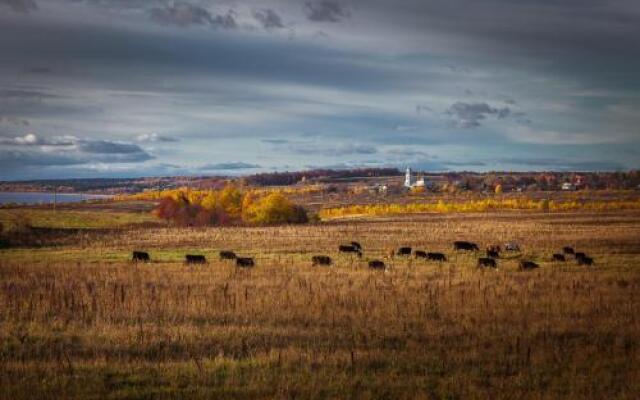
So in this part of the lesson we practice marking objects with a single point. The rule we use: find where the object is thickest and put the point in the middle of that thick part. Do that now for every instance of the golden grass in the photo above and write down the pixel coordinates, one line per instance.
(79, 321)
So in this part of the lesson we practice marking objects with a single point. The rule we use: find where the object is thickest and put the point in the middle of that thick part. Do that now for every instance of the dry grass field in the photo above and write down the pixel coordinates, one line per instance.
(78, 320)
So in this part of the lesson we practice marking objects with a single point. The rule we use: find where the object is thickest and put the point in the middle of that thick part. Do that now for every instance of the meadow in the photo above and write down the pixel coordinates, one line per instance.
(79, 320)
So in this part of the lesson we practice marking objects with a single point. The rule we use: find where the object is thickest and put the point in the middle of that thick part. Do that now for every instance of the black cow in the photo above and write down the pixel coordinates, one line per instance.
(526, 265)
(140, 256)
(436, 257)
(579, 255)
(320, 260)
(463, 245)
(420, 254)
(356, 245)
(349, 248)
(227, 255)
(195, 259)
(493, 254)
(245, 262)
(567, 250)
(585, 261)
(377, 264)
(485, 262)
(404, 251)
(559, 257)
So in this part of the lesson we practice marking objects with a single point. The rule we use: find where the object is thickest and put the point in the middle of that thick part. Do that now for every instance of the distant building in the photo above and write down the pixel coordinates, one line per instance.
(409, 182)
(568, 186)
(408, 179)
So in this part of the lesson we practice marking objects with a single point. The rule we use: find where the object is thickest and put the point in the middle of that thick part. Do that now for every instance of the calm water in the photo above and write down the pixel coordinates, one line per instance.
(45, 198)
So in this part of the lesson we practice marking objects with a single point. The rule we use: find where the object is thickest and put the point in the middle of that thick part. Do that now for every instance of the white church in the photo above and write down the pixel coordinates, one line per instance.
(409, 182)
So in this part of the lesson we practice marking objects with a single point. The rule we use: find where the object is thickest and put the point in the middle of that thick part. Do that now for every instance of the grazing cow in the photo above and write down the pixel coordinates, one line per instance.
(404, 251)
(494, 247)
(512, 246)
(463, 245)
(356, 245)
(349, 248)
(320, 260)
(526, 265)
(377, 264)
(493, 254)
(141, 256)
(578, 255)
(420, 254)
(227, 255)
(585, 261)
(487, 262)
(559, 257)
(245, 262)
(567, 250)
(195, 259)
(436, 257)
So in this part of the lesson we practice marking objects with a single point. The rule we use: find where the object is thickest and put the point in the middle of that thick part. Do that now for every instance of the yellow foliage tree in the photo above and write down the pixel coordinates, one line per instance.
(498, 189)
(274, 208)
(231, 200)
(210, 201)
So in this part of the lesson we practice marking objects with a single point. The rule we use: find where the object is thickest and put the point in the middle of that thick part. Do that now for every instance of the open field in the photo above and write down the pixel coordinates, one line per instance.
(80, 321)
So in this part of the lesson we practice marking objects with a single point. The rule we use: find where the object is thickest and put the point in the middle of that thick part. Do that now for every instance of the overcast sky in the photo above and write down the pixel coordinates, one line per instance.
(95, 88)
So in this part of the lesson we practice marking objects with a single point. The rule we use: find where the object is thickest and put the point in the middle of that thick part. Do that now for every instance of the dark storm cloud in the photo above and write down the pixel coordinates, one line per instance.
(19, 6)
(269, 19)
(228, 166)
(326, 11)
(469, 115)
(114, 69)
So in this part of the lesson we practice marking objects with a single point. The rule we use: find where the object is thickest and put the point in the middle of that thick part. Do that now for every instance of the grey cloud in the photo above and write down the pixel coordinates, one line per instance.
(39, 70)
(14, 121)
(407, 152)
(228, 166)
(326, 11)
(225, 21)
(154, 137)
(331, 151)
(269, 19)
(26, 94)
(108, 147)
(565, 164)
(31, 139)
(275, 141)
(20, 6)
(10, 159)
(469, 115)
(185, 14)
(72, 151)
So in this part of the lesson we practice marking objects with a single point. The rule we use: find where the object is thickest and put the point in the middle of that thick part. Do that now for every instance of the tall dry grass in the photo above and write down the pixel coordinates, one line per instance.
(85, 328)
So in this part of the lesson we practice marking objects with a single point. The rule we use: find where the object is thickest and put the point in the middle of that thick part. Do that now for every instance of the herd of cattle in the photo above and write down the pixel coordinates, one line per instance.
(490, 260)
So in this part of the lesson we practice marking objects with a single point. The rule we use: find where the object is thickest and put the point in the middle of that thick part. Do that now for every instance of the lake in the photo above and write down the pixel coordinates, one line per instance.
(46, 198)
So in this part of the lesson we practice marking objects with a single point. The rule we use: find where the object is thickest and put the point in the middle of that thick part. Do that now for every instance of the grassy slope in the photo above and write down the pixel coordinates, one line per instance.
(72, 219)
